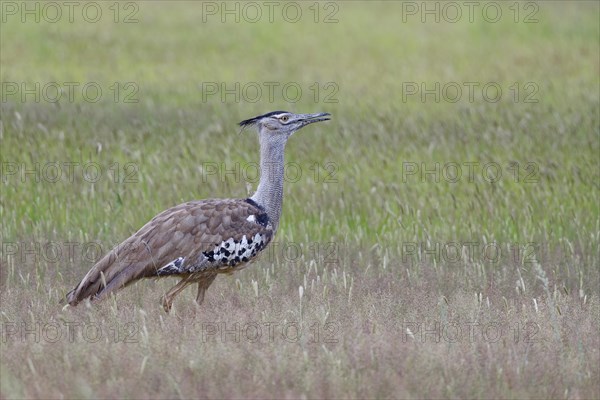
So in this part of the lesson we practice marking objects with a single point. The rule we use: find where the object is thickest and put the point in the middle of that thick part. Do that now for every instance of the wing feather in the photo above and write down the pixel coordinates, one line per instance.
(187, 230)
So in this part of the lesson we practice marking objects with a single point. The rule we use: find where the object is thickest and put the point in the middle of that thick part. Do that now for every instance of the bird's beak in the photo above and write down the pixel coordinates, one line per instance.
(311, 118)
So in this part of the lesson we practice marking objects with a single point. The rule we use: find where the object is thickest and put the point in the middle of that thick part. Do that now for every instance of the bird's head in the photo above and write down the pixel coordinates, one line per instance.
(280, 125)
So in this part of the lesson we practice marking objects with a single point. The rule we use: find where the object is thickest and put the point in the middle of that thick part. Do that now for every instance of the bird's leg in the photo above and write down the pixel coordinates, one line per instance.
(168, 298)
(202, 286)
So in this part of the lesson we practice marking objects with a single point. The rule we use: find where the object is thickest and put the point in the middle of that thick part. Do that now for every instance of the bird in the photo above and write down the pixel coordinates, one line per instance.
(198, 240)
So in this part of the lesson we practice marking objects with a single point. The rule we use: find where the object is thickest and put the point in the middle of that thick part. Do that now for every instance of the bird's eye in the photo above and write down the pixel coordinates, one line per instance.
(284, 118)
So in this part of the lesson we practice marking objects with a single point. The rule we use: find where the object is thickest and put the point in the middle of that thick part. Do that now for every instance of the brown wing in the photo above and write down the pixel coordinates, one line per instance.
(187, 238)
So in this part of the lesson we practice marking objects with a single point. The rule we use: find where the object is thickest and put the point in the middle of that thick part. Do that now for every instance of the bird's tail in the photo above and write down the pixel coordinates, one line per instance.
(108, 275)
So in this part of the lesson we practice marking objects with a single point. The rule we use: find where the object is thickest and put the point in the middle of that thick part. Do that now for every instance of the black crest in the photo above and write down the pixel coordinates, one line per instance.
(252, 121)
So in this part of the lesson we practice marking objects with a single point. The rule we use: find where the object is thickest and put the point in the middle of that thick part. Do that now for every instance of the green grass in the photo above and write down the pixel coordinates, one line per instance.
(369, 244)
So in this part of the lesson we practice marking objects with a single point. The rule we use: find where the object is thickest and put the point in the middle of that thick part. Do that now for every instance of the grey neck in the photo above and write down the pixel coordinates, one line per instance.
(269, 194)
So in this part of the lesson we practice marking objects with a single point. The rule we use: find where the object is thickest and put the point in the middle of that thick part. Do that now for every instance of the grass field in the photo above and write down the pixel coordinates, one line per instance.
(439, 238)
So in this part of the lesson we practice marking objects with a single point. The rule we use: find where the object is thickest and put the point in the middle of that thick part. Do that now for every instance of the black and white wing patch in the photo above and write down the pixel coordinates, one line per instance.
(175, 267)
(232, 252)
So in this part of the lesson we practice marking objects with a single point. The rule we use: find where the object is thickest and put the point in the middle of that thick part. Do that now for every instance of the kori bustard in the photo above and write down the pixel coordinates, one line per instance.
(197, 240)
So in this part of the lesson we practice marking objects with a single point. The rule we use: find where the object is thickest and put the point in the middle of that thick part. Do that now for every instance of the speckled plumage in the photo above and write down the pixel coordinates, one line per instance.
(199, 239)
(192, 232)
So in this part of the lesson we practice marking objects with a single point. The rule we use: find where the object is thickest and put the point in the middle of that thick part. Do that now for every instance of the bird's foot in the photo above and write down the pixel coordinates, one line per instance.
(167, 303)
(200, 296)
